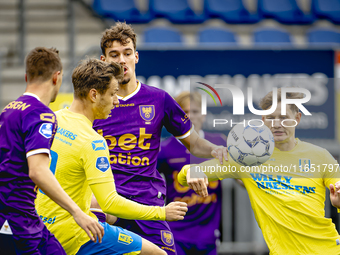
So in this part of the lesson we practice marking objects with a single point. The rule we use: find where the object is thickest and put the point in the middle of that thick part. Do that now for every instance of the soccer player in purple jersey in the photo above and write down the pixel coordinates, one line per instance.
(133, 135)
(198, 232)
(27, 128)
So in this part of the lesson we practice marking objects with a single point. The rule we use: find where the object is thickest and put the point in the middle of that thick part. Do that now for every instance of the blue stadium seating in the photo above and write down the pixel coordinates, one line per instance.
(177, 11)
(284, 11)
(120, 11)
(327, 9)
(216, 36)
(231, 11)
(271, 37)
(162, 36)
(323, 37)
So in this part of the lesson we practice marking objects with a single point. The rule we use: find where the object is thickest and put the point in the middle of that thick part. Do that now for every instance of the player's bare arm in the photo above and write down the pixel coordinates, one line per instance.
(45, 180)
(202, 148)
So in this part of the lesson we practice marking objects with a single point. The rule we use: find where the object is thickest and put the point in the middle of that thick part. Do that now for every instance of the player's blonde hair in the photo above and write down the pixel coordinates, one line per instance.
(120, 32)
(95, 74)
(182, 98)
(42, 63)
(267, 100)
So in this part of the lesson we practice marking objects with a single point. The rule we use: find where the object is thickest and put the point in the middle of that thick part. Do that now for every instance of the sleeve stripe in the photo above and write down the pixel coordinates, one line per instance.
(38, 151)
(186, 134)
(96, 210)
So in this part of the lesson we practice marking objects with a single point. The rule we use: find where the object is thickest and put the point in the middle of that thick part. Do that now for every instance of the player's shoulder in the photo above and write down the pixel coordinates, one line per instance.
(306, 146)
(37, 110)
(150, 89)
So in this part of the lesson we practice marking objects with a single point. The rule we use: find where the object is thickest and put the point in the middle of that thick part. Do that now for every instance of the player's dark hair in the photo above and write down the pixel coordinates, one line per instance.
(120, 32)
(42, 63)
(186, 95)
(94, 74)
(267, 101)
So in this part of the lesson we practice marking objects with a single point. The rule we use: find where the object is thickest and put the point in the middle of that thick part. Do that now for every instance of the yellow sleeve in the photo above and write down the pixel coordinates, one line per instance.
(212, 169)
(112, 203)
(331, 169)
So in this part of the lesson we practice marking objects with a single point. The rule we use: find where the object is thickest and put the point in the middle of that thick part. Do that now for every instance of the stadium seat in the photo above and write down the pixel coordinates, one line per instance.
(216, 36)
(284, 11)
(162, 36)
(327, 9)
(323, 37)
(177, 11)
(231, 11)
(120, 11)
(271, 37)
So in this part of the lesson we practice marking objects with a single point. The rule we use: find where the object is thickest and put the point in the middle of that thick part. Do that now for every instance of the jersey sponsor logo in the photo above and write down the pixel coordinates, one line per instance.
(6, 229)
(147, 112)
(66, 133)
(124, 105)
(337, 242)
(167, 237)
(124, 239)
(46, 130)
(98, 145)
(102, 164)
(280, 184)
(304, 164)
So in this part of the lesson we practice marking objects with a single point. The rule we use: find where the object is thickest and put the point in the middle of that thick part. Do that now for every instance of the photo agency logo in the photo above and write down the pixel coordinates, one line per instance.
(238, 105)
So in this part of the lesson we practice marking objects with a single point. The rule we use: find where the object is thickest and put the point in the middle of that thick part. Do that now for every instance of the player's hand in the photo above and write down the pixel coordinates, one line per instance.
(92, 228)
(335, 194)
(220, 152)
(175, 211)
(199, 185)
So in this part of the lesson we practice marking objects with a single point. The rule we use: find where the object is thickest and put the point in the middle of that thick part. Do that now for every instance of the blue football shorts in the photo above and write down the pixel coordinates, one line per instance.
(115, 241)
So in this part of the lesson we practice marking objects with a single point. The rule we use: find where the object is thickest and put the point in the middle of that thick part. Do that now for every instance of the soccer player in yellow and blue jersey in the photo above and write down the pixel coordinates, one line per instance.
(80, 162)
(288, 205)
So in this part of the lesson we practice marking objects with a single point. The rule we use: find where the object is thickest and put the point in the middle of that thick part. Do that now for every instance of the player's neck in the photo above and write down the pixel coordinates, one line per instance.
(42, 90)
(286, 146)
(82, 107)
(126, 89)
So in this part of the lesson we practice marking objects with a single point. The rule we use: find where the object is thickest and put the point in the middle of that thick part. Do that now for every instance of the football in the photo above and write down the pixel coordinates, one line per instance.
(249, 145)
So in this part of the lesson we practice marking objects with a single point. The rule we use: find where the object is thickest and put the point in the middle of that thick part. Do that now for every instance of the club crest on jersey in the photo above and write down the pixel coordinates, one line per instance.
(124, 239)
(167, 237)
(102, 164)
(147, 112)
(46, 130)
(98, 145)
(304, 164)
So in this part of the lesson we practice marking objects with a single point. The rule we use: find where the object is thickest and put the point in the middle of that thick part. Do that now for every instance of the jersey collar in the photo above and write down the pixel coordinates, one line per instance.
(32, 95)
(131, 94)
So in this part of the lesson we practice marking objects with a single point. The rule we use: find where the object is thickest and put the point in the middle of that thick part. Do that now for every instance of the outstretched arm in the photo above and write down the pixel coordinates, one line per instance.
(202, 148)
(112, 203)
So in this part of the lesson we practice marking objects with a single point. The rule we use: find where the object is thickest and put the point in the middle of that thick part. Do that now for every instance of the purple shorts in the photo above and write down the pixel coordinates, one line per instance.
(184, 248)
(157, 232)
(43, 242)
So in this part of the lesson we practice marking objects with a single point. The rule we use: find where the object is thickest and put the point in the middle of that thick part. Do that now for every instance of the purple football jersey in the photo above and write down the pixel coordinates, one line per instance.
(133, 132)
(204, 214)
(27, 127)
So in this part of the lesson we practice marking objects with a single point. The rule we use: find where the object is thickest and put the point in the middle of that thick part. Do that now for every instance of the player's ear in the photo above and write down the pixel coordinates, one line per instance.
(93, 94)
(55, 77)
(136, 57)
(25, 77)
(298, 117)
(102, 58)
